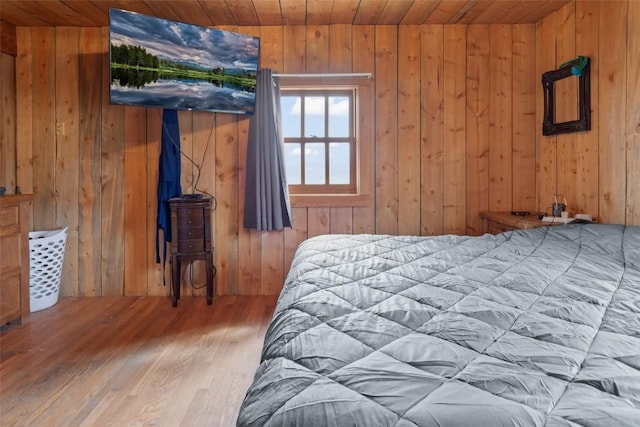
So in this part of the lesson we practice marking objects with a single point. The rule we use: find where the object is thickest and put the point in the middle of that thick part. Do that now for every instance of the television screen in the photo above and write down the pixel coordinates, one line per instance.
(168, 64)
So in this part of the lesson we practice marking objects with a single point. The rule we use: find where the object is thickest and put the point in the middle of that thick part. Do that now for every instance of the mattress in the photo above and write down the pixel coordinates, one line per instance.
(526, 328)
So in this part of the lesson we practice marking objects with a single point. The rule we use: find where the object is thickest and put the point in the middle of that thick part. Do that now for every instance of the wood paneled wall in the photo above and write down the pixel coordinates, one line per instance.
(457, 115)
(8, 122)
(7, 106)
(598, 171)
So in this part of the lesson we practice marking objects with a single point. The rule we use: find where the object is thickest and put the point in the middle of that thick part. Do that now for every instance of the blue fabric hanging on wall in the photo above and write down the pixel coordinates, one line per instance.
(168, 178)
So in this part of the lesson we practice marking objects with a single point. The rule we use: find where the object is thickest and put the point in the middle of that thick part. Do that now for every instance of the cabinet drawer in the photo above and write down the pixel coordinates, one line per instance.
(190, 218)
(188, 246)
(9, 220)
(11, 249)
(10, 299)
(190, 233)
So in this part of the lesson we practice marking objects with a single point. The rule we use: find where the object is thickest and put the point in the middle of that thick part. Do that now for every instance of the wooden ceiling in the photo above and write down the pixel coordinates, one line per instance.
(89, 13)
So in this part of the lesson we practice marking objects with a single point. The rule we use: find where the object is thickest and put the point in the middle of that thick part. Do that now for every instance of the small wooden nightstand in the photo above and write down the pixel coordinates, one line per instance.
(498, 222)
(191, 240)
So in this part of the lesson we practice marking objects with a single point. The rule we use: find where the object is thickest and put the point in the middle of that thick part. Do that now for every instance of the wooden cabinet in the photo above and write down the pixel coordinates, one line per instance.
(498, 222)
(14, 258)
(190, 240)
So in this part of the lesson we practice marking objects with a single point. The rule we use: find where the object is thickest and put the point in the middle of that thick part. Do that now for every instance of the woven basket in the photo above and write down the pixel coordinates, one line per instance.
(46, 254)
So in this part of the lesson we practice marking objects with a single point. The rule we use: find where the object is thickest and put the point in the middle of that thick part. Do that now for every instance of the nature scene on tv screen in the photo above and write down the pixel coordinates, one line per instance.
(161, 63)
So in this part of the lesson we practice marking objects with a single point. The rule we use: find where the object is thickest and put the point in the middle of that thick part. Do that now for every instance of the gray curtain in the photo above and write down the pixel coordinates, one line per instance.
(266, 204)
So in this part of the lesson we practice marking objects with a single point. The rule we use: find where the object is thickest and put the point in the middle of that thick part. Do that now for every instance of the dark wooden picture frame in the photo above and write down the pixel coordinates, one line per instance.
(583, 123)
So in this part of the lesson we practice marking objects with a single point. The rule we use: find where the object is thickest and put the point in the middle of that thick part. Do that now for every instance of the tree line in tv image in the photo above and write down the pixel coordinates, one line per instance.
(134, 67)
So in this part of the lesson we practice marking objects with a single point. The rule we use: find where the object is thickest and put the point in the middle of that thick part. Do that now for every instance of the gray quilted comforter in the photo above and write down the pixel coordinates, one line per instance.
(526, 328)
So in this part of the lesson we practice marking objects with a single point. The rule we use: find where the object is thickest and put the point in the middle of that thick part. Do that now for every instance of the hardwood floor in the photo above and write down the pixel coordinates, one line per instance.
(132, 361)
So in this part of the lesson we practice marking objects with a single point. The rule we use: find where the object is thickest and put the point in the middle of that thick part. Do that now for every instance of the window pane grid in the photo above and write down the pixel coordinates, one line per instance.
(320, 141)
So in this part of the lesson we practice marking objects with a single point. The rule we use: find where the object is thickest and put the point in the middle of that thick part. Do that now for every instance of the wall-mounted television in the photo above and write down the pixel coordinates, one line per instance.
(160, 63)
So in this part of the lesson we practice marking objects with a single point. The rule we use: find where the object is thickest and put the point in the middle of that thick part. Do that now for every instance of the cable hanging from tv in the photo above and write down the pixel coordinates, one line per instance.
(198, 167)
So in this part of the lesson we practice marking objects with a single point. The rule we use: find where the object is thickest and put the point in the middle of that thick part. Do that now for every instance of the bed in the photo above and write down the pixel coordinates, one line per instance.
(525, 328)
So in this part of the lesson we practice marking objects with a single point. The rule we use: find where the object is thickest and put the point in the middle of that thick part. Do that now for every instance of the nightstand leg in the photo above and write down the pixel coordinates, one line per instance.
(210, 274)
(175, 271)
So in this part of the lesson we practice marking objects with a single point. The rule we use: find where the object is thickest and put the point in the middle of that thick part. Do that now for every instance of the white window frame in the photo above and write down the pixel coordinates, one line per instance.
(361, 195)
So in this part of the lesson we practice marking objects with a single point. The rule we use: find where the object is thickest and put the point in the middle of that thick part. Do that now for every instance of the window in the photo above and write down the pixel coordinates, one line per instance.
(319, 140)
(323, 153)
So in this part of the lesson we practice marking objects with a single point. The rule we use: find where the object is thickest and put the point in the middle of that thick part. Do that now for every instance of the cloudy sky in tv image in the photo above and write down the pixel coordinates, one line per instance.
(182, 42)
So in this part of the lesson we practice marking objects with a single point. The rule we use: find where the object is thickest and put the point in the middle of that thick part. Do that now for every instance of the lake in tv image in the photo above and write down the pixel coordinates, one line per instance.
(161, 63)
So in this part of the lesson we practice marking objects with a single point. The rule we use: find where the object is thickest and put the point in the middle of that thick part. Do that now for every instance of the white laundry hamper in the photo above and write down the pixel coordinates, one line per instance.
(46, 254)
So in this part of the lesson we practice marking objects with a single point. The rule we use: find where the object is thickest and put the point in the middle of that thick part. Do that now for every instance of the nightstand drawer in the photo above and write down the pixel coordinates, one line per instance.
(190, 218)
(189, 246)
(190, 234)
(496, 227)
